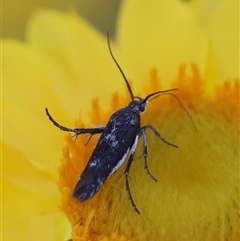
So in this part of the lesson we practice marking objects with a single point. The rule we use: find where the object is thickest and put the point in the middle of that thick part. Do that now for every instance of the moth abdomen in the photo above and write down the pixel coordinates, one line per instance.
(87, 187)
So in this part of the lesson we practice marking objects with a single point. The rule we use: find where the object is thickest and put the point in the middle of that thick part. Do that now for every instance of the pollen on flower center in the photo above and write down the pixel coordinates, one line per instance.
(196, 193)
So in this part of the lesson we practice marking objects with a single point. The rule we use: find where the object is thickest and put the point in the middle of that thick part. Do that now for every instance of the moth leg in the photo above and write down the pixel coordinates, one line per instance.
(145, 154)
(126, 173)
(91, 134)
(158, 135)
(77, 131)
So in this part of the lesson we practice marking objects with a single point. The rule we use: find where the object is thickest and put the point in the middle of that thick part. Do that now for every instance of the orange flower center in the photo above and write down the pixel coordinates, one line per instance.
(196, 195)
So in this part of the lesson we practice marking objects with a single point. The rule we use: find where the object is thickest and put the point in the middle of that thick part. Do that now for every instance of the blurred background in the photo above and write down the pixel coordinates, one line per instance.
(15, 13)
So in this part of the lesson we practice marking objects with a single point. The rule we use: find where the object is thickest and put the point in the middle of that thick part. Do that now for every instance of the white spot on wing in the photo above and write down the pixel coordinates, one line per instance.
(100, 182)
(119, 163)
(110, 137)
(125, 156)
(115, 143)
(92, 164)
(134, 146)
(132, 122)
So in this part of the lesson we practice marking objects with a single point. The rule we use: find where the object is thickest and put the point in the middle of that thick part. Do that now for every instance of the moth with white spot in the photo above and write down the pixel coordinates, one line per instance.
(118, 140)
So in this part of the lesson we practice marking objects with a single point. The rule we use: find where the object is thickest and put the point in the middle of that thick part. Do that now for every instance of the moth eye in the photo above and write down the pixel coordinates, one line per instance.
(142, 108)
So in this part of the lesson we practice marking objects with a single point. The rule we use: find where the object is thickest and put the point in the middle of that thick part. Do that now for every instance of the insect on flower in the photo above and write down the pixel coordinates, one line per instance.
(118, 141)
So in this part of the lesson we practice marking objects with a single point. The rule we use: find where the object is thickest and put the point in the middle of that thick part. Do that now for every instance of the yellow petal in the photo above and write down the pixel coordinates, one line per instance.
(161, 34)
(28, 134)
(224, 37)
(30, 199)
(81, 51)
(22, 179)
(45, 226)
(31, 79)
(220, 20)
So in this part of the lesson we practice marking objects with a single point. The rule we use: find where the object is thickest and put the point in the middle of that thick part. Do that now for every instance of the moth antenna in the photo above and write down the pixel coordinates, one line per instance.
(123, 75)
(179, 101)
(159, 93)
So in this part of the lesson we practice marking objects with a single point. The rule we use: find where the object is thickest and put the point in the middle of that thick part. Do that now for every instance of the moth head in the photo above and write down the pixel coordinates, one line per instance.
(138, 104)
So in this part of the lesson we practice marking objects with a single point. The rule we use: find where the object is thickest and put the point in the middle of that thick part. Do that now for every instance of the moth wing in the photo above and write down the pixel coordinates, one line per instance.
(109, 154)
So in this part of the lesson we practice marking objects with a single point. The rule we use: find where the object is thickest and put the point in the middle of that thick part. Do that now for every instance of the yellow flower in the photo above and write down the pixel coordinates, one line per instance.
(65, 65)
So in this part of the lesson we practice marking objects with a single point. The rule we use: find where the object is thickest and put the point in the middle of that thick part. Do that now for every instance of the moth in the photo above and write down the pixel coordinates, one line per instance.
(118, 141)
